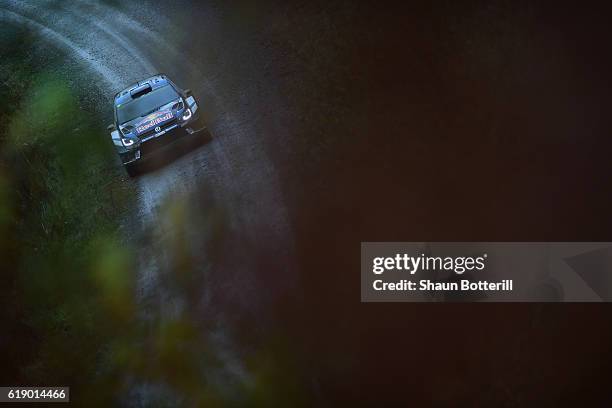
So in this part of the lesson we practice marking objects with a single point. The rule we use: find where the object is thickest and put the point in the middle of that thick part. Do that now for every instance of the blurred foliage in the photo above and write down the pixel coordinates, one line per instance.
(68, 287)
(70, 276)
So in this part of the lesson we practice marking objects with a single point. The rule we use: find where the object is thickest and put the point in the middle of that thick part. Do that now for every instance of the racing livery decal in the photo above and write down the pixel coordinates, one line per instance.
(154, 120)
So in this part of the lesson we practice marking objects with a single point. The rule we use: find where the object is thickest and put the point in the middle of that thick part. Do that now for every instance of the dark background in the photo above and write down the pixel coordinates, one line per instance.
(444, 121)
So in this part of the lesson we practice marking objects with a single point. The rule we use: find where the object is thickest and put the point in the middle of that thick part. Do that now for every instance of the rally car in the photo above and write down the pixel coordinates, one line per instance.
(151, 114)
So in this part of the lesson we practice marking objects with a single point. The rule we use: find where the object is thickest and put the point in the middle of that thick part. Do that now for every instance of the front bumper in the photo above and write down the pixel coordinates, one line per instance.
(157, 141)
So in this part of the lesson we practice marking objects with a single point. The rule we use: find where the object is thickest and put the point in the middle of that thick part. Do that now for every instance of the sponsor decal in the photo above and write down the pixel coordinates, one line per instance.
(154, 120)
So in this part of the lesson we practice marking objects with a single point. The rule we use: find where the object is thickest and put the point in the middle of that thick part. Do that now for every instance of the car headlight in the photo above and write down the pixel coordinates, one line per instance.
(186, 114)
(127, 130)
(127, 142)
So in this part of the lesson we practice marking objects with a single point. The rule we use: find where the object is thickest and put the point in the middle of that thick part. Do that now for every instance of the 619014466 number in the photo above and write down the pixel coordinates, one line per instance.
(34, 394)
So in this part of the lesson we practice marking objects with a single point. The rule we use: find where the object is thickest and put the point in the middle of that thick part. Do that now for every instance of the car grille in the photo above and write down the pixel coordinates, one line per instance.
(152, 132)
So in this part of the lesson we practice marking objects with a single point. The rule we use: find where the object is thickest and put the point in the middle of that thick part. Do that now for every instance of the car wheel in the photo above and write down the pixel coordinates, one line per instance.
(132, 170)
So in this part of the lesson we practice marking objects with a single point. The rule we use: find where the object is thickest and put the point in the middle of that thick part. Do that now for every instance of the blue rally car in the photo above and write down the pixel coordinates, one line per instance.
(150, 114)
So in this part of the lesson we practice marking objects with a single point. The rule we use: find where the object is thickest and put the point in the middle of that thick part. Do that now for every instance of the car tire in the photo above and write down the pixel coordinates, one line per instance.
(132, 170)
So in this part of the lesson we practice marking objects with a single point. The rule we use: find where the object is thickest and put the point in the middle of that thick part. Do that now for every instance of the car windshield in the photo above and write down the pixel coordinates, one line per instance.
(145, 104)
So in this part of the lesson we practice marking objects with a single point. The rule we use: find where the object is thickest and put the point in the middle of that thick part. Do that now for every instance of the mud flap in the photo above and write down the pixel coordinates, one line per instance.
(191, 102)
(198, 124)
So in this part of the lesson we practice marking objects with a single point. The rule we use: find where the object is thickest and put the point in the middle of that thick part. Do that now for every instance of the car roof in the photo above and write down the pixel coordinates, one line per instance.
(155, 82)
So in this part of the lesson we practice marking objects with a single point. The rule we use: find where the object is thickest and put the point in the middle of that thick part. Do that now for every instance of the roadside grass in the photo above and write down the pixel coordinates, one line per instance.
(68, 290)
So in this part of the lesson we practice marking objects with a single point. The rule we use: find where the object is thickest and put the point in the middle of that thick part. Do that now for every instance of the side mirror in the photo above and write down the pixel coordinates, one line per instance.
(110, 127)
(187, 92)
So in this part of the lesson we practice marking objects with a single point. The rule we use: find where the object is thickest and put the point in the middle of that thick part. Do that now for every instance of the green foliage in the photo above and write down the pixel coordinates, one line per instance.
(61, 201)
